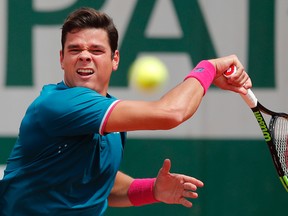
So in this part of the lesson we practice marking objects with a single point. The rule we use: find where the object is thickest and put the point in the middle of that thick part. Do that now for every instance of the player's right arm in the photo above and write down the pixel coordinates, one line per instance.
(176, 106)
(171, 110)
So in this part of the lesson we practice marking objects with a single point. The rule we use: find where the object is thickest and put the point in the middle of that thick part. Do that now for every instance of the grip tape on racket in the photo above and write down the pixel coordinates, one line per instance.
(250, 97)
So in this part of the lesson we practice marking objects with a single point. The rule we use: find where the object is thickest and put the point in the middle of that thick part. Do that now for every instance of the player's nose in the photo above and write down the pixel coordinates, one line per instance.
(85, 56)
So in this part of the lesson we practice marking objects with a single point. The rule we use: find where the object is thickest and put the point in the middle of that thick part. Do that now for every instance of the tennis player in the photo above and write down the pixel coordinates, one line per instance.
(67, 156)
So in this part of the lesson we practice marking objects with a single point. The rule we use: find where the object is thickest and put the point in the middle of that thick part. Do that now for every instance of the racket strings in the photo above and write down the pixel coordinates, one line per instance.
(280, 136)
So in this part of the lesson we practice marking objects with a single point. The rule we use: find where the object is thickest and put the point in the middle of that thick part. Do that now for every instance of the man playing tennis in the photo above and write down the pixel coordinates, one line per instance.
(71, 139)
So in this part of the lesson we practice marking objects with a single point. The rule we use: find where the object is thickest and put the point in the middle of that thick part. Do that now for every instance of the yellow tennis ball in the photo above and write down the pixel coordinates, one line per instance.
(148, 73)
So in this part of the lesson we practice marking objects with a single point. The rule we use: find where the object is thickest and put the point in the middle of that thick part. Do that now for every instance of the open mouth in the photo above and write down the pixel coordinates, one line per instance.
(85, 72)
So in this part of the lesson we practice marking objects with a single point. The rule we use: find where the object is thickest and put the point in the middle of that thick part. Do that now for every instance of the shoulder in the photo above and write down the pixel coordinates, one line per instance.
(60, 94)
(62, 90)
(58, 98)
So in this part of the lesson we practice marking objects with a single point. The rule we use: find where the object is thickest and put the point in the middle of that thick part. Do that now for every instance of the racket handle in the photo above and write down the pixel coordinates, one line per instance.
(249, 98)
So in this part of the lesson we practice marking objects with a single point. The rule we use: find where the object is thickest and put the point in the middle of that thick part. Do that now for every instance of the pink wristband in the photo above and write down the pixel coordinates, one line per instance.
(141, 192)
(204, 72)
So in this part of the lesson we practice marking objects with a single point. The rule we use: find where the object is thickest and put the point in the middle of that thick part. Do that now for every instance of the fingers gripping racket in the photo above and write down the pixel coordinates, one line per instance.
(276, 136)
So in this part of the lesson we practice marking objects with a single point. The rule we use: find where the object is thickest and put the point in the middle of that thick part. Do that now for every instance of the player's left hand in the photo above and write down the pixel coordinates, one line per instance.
(174, 188)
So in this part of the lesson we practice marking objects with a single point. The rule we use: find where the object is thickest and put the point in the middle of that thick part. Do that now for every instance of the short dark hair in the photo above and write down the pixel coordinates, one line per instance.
(85, 17)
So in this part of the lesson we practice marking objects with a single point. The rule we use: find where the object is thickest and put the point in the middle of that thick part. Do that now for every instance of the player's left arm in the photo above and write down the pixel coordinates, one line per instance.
(118, 196)
(173, 188)
(169, 188)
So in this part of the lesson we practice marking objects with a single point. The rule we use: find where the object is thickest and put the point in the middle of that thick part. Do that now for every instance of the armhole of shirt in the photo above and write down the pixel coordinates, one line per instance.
(106, 116)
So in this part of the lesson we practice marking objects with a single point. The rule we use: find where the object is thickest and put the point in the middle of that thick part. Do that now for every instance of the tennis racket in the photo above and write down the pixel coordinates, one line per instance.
(276, 136)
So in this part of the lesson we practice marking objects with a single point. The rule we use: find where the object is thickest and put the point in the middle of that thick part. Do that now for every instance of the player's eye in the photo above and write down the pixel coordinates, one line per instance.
(96, 51)
(74, 51)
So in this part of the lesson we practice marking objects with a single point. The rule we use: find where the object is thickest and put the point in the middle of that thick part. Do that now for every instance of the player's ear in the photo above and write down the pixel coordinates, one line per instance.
(115, 60)
(61, 58)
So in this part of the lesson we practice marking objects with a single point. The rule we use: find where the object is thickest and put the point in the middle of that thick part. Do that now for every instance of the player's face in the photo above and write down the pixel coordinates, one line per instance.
(87, 59)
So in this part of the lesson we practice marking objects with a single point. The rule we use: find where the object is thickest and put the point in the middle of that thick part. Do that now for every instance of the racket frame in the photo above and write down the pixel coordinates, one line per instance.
(257, 108)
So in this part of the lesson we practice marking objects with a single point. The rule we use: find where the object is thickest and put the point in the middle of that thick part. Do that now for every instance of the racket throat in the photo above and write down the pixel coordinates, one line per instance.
(263, 125)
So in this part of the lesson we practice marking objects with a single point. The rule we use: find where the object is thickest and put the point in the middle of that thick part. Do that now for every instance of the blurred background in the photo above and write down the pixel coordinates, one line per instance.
(221, 144)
